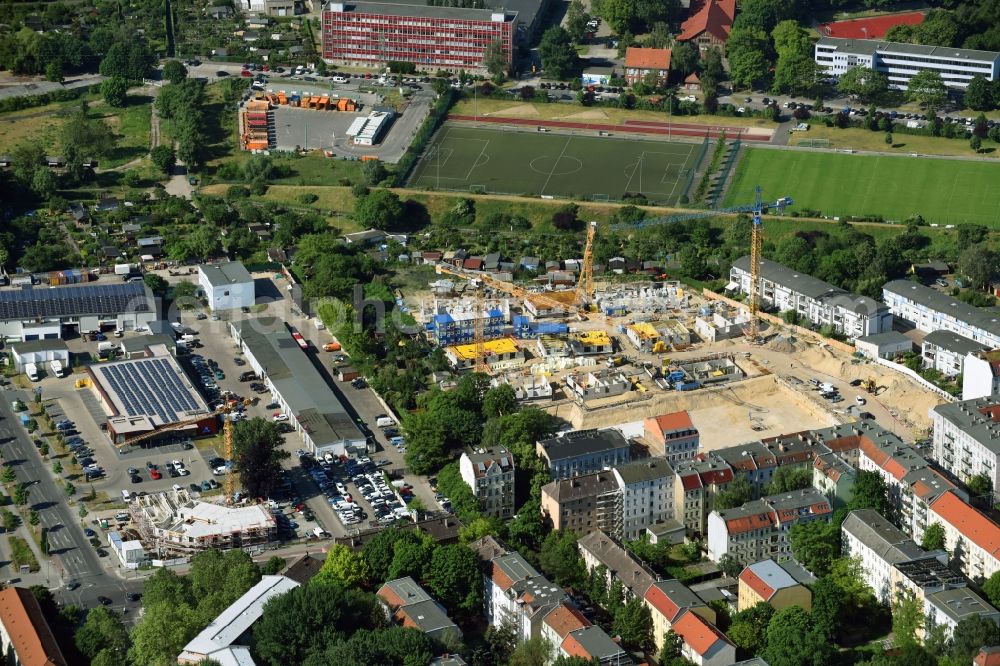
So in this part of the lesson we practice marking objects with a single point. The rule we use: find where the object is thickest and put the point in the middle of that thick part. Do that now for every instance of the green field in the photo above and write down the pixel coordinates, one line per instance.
(837, 184)
(546, 164)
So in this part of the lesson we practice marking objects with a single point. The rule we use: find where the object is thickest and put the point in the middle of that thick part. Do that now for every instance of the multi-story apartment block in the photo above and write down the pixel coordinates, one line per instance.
(583, 451)
(513, 591)
(584, 503)
(981, 374)
(779, 585)
(599, 549)
(674, 607)
(647, 495)
(758, 530)
(695, 488)
(930, 310)
(972, 539)
(833, 477)
(899, 62)
(411, 606)
(815, 301)
(371, 34)
(25, 636)
(945, 352)
(966, 438)
(950, 606)
(453, 322)
(672, 436)
(490, 475)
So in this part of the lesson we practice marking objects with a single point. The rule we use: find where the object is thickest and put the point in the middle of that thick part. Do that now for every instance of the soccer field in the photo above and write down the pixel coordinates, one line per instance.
(542, 163)
(837, 184)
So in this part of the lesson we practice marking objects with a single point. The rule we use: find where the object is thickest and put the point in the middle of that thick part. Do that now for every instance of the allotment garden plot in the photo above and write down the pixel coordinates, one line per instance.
(560, 165)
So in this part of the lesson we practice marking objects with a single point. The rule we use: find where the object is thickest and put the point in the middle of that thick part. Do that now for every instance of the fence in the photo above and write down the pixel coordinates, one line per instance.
(915, 377)
(686, 192)
(720, 183)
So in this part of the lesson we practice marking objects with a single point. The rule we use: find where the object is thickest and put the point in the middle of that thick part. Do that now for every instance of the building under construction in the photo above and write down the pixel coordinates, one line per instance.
(499, 355)
(173, 524)
(453, 322)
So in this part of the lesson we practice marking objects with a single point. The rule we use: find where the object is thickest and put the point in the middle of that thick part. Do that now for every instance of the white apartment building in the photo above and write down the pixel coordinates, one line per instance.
(815, 301)
(971, 538)
(899, 62)
(490, 475)
(879, 546)
(966, 437)
(981, 375)
(930, 310)
(758, 530)
(945, 352)
(647, 495)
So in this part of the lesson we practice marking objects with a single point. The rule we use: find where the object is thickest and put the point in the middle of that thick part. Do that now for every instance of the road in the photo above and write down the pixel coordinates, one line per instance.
(73, 558)
(11, 86)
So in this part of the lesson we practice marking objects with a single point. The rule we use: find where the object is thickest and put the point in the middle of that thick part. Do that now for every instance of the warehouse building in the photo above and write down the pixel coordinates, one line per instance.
(226, 286)
(312, 408)
(29, 313)
(899, 62)
(370, 34)
(144, 395)
(815, 301)
(39, 352)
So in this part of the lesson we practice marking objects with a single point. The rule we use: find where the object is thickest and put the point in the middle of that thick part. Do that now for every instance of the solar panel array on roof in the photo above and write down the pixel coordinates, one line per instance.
(150, 387)
(105, 299)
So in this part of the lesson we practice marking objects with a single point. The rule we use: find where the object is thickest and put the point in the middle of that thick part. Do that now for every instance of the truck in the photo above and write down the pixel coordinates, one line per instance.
(31, 370)
(123, 269)
(299, 339)
(827, 388)
(57, 367)
(104, 350)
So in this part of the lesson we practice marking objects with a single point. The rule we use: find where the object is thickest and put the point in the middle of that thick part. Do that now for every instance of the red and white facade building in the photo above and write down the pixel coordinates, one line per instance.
(370, 34)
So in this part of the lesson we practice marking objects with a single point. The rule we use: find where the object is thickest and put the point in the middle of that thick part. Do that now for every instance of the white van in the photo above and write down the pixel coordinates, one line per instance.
(32, 371)
(384, 422)
(126, 495)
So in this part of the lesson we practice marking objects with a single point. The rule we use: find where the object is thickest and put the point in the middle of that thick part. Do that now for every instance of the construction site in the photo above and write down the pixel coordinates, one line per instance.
(599, 355)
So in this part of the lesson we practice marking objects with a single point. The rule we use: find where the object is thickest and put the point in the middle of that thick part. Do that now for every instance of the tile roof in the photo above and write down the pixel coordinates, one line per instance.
(30, 636)
(562, 620)
(970, 523)
(715, 17)
(593, 643)
(671, 597)
(673, 421)
(700, 634)
(987, 656)
(643, 58)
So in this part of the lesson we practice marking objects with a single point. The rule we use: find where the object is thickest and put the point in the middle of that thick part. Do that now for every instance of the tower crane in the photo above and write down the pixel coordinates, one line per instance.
(585, 285)
(757, 209)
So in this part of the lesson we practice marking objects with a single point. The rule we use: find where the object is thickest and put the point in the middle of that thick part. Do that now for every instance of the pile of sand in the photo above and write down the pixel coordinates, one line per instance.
(784, 344)
(518, 111)
(591, 114)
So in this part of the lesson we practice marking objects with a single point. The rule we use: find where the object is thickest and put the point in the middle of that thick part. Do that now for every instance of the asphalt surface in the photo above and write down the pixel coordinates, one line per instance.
(16, 86)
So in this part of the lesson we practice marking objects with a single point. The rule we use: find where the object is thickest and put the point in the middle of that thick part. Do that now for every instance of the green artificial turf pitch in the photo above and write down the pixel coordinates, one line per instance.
(838, 185)
(548, 164)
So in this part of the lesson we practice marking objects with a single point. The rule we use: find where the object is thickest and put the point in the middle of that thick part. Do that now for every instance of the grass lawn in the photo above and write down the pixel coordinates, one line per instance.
(837, 184)
(131, 124)
(904, 144)
(21, 554)
(470, 159)
(558, 111)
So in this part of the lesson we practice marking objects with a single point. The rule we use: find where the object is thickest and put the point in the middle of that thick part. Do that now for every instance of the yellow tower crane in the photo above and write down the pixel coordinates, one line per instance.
(585, 285)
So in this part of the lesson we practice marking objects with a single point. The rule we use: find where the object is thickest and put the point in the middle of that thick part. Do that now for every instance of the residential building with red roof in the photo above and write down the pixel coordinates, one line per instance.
(26, 637)
(667, 600)
(594, 645)
(778, 585)
(710, 24)
(833, 477)
(759, 529)
(672, 436)
(410, 606)
(641, 62)
(872, 27)
(696, 484)
(559, 623)
(702, 642)
(971, 537)
(987, 656)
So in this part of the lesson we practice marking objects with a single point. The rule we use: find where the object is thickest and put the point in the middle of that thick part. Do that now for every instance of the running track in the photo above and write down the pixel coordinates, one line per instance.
(637, 126)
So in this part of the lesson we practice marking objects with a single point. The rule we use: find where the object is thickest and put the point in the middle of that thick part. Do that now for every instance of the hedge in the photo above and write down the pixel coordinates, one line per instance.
(437, 115)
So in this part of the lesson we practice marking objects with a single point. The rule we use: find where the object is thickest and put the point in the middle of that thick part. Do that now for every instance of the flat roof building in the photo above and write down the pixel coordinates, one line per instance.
(930, 310)
(945, 352)
(39, 352)
(311, 405)
(227, 286)
(232, 626)
(900, 61)
(29, 313)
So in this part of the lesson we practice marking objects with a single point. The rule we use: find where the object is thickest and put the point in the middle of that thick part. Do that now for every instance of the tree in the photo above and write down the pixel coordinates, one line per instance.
(634, 623)
(495, 60)
(793, 640)
(927, 89)
(499, 401)
(788, 478)
(978, 263)
(185, 290)
(156, 284)
(969, 635)
(533, 652)
(576, 21)
(737, 493)
(54, 72)
(827, 606)
(57, 467)
(976, 142)
(174, 71)
(979, 94)
(115, 92)
(907, 619)
(374, 172)
(162, 633)
(683, 59)
(991, 588)
(453, 578)
(558, 55)
(815, 544)
(939, 28)
(218, 579)
(22, 491)
(933, 539)
(381, 210)
(91, 137)
(560, 559)
(748, 627)
(747, 50)
(870, 492)
(164, 158)
(888, 138)
(345, 567)
(863, 84)
(103, 631)
(394, 645)
(129, 59)
(9, 474)
(980, 485)
(730, 566)
(257, 449)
